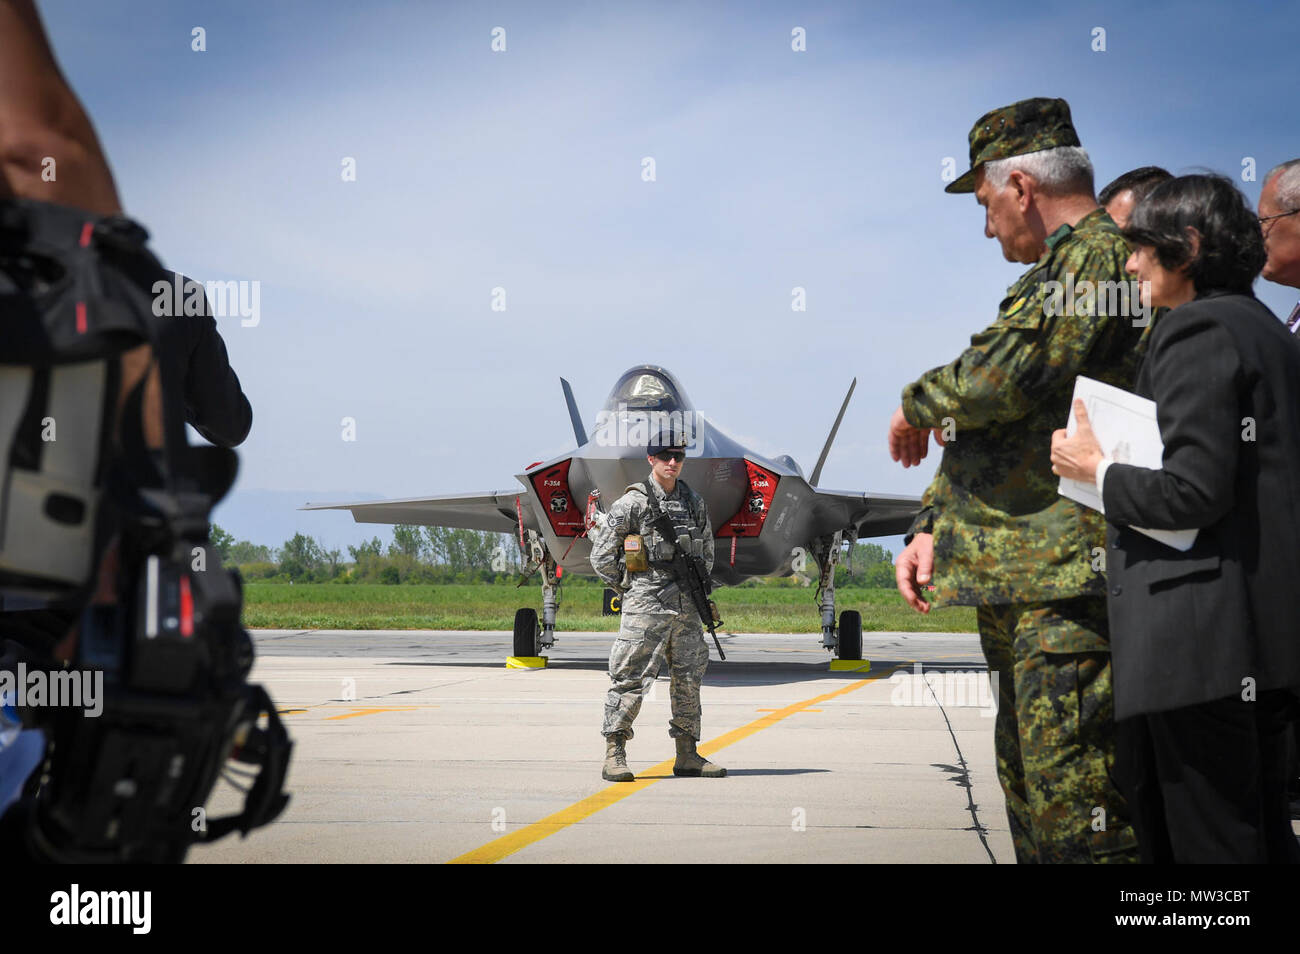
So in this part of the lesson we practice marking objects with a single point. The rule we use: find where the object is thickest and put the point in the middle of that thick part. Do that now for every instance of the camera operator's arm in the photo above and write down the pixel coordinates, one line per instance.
(41, 118)
(214, 401)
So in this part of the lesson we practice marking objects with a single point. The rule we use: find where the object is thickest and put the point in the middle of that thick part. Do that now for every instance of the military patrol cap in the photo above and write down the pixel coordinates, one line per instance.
(655, 447)
(666, 437)
(1030, 125)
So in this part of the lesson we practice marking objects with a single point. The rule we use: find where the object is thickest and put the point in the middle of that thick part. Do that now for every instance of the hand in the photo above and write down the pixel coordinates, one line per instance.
(1077, 457)
(914, 568)
(908, 444)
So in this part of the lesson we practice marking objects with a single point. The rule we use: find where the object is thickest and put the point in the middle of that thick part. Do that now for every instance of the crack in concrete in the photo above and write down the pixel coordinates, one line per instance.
(961, 775)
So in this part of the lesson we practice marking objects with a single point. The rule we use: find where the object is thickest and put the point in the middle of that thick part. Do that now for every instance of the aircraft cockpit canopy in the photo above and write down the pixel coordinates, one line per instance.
(647, 389)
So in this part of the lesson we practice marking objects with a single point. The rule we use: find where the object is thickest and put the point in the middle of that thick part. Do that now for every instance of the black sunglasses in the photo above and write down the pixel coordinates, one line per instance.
(666, 456)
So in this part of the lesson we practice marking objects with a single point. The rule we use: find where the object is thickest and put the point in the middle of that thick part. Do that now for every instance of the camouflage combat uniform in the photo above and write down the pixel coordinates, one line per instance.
(1029, 559)
(659, 622)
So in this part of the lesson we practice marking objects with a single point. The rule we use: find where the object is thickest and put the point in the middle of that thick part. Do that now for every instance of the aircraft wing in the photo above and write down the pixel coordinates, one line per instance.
(876, 515)
(493, 511)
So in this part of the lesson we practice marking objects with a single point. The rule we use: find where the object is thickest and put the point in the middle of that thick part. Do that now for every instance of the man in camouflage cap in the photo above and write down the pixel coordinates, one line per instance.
(659, 621)
(993, 531)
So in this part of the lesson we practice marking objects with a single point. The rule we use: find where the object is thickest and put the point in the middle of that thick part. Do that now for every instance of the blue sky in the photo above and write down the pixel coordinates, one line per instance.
(522, 170)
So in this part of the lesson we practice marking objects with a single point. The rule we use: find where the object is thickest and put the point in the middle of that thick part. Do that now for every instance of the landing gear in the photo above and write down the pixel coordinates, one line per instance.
(845, 641)
(826, 551)
(550, 603)
(530, 638)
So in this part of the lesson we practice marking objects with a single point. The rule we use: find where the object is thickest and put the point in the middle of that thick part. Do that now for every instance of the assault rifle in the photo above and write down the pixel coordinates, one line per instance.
(689, 570)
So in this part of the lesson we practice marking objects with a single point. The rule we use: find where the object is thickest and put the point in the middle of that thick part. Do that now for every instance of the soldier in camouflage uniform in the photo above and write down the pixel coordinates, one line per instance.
(659, 621)
(993, 531)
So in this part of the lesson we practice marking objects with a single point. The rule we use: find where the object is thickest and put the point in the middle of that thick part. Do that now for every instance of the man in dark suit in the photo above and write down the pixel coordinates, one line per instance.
(1204, 641)
(1279, 219)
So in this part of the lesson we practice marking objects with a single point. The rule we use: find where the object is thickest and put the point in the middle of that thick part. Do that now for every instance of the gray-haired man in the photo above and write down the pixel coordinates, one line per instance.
(993, 531)
(1279, 205)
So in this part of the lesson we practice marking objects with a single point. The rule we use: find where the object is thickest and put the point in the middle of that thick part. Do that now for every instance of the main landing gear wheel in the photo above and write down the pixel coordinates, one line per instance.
(526, 632)
(850, 642)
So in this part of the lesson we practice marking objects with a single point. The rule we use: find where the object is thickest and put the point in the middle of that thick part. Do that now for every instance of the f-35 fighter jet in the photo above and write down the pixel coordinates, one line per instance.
(765, 514)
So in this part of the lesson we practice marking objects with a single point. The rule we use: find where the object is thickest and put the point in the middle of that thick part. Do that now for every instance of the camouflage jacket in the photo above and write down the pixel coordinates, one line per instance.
(1002, 534)
(655, 590)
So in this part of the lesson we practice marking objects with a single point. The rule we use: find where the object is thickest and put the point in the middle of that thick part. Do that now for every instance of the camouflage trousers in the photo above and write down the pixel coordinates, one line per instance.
(1055, 732)
(645, 641)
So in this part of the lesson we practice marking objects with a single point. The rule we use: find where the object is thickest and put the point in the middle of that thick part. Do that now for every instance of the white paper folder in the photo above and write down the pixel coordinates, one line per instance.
(1128, 432)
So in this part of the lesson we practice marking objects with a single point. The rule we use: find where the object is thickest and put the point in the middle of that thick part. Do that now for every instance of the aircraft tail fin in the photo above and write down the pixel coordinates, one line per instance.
(817, 471)
(574, 416)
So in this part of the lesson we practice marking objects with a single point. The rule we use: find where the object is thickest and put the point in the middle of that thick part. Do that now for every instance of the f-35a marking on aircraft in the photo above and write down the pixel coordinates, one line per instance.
(762, 510)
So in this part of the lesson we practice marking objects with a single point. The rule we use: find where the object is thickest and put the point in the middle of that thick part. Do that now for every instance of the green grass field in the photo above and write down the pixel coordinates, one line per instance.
(765, 609)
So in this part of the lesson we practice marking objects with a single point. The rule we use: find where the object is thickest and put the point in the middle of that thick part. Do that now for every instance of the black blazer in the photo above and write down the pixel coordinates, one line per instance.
(1190, 627)
(197, 377)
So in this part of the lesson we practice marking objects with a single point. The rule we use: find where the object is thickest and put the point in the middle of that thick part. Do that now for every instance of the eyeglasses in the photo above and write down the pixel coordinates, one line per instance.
(1270, 218)
(666, 456)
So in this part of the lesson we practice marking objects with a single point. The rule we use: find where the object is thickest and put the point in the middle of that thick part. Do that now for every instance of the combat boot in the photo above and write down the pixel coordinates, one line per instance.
(616, 769)
(691, 763)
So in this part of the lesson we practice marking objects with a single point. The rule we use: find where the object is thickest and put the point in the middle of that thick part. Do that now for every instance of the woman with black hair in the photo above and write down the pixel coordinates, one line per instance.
(1205, 643)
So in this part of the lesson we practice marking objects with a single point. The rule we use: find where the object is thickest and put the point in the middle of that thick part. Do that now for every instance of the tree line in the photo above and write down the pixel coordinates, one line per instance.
(414, 555)
(418, 554)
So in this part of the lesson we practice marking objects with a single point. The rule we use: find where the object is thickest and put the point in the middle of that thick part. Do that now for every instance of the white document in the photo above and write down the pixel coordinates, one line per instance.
(1128, 432)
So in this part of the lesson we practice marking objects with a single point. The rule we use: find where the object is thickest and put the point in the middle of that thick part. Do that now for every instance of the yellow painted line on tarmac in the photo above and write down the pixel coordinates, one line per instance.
(507, 845)
(778, 710)
(356, 711)
(360, 712)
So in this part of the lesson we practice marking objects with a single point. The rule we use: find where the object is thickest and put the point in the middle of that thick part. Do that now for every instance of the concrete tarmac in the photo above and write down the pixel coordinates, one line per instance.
(417, 746)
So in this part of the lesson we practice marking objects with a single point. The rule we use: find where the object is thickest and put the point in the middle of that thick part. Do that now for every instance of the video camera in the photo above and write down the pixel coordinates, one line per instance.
(108, 525)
